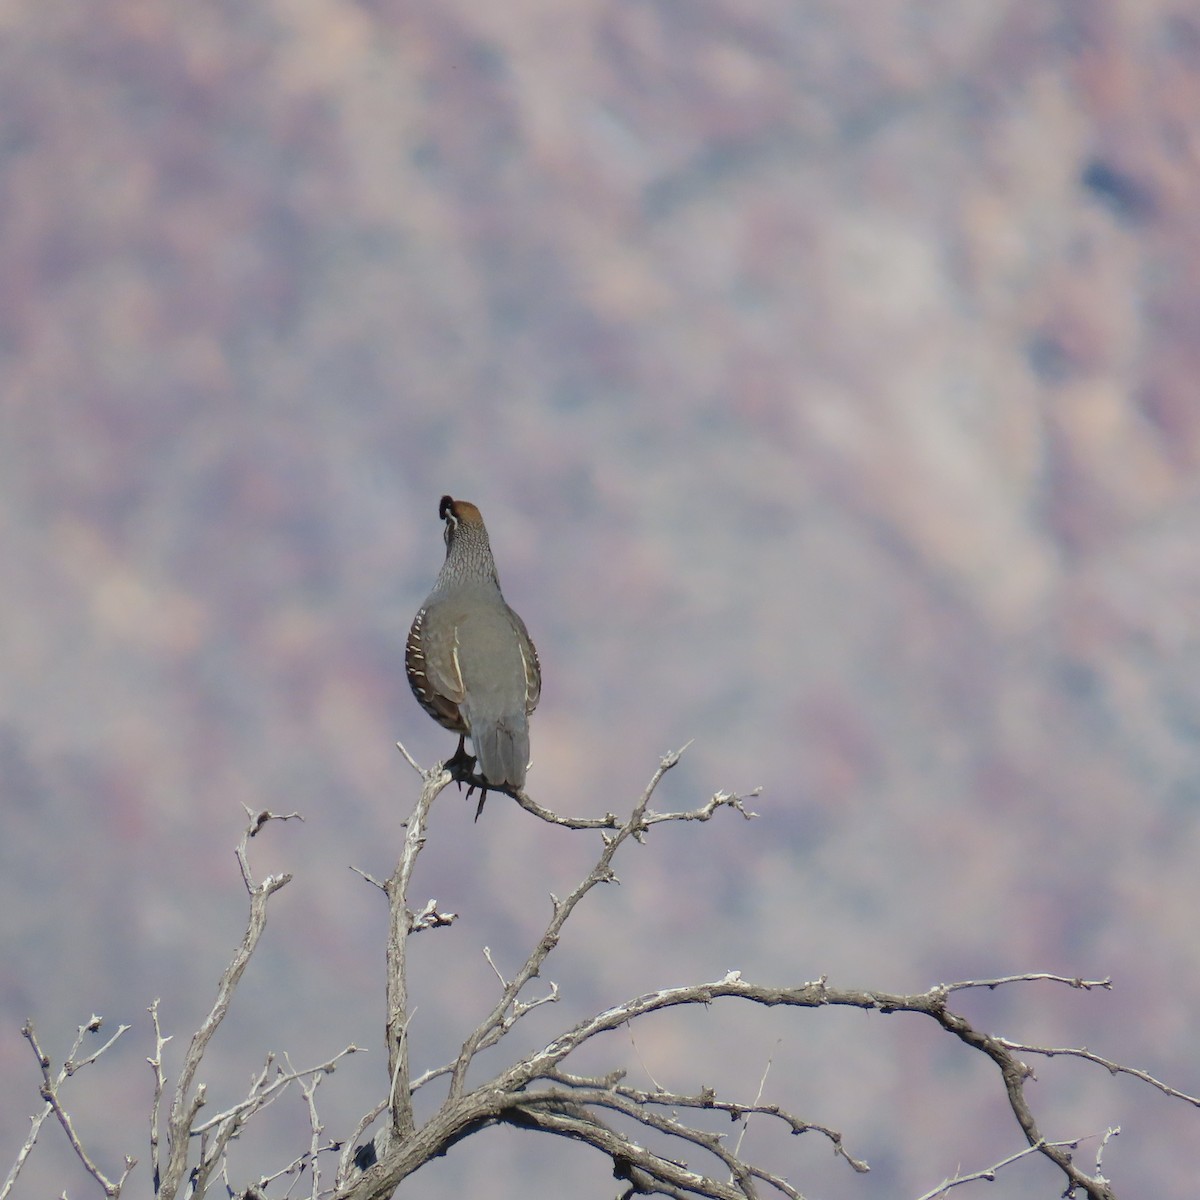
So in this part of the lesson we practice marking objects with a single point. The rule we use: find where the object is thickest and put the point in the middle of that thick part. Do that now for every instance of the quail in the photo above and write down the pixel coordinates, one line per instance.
(470, 660)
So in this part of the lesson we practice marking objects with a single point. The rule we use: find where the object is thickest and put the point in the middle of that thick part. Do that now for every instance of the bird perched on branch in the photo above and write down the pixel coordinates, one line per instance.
(470, 660)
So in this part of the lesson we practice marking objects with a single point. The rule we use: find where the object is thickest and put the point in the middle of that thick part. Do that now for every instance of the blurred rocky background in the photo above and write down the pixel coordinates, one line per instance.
(826, 371)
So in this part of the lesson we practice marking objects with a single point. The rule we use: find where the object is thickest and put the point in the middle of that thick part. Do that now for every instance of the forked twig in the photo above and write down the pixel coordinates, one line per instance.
(51, 1083)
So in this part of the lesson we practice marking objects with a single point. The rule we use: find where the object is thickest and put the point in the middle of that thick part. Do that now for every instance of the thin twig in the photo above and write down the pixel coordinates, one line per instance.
(412, 762)
(261, 1092)
(762, 1083)
(369, 878)
(988, 1174)
(706, 811)
(491, 962)
(1113, 1068)
(1033, 977)
(35, 1127)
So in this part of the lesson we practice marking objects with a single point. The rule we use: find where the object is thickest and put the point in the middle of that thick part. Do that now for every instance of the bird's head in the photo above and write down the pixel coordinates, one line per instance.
(458, 513)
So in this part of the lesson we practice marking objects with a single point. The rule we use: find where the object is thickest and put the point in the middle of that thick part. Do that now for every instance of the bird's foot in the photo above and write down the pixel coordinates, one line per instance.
(461, 765)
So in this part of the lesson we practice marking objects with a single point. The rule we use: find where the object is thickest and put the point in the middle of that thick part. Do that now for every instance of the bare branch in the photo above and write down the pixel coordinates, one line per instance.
(160, 1087)
(72, 1064)
(185, 1106)
(263, 1093)
(705, 811)
(519, 1095)
(369, 878)
(69, 1067)
(745, 1118)
(1033, 977)
(620, 1100)
(309, 1092)
(270, 1083)
(491, 962)
(35, 1127)
(412, 762)
(351, 1144)
(638, 821)
(1113, 1068)
(647, 1172)
(1109, 1134)
(400, 925)
(988, 1174)
(812, 995)
(538, 1092)
(708, 1099)
(49, 1093)
(309, 1160)
(216, 1136)
(257, 821)
(431, 917)
(608, 821)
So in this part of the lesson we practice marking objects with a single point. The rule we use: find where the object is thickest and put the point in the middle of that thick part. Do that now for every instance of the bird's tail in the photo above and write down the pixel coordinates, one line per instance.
(502, 749)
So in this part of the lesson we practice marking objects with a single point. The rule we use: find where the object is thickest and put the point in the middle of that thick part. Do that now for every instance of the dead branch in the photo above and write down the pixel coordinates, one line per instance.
(184, 1107)
(493, 1025)
(1113, 1068)
(653, 1146)
(539, 1092)
(401, 923)
(51, 1086)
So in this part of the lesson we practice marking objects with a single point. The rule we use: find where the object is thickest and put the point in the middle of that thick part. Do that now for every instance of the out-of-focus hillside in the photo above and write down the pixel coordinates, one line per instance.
(827, 375)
